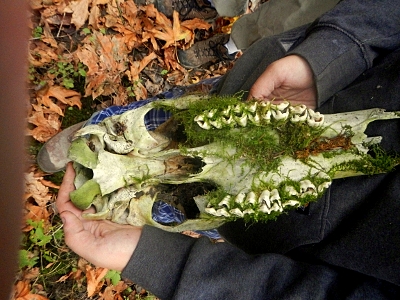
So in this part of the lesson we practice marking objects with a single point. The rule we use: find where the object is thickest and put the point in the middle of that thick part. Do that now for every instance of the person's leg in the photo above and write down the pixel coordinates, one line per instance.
(230, 8)
(352, 225)
(276, 16)
(271, 18)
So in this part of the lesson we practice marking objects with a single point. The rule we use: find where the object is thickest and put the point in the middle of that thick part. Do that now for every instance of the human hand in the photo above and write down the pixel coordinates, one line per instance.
(103, 243)
(289, 78)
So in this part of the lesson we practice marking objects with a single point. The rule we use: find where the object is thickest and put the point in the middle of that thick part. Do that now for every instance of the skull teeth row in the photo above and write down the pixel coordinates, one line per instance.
(266, 202)
(258, 113)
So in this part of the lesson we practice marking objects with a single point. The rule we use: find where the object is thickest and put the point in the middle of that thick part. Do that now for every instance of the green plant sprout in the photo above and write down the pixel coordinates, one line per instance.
(263, 159)
(37, 32)
(44, 247)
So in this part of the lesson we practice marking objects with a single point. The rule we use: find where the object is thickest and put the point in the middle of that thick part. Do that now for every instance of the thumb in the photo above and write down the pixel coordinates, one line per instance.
(263, 86)
(76, 237)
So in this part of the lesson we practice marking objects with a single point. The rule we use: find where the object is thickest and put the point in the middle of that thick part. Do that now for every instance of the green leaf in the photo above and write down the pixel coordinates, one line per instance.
(26, 259)
(114, 276)
(86, 30)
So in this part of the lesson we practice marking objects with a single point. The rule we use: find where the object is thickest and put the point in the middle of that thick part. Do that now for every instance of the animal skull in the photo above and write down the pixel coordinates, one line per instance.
(263, 159)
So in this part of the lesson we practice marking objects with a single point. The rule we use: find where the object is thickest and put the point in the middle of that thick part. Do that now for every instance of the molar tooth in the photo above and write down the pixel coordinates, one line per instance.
(277, 206)
(264, 208)
(211, 211)
(236, 212)
(252, 107)
(283, 105)
(199, 118)
(306, 185)
(222, 212)
(279, 115)
(307, 188)
(291, 203)
(225, 201)
(211, 113)
(324, 186)
(251, 198)
(240, 198)
(205, 125)
(237, 108)
(255, 119)
(264, 198)
(298, 118)
(291, 190)
(227, 121)
(202, 121)
(226, 111)
(298, 109)
(242, 121)
(248, 211)
(267, 115)
(274, 196)
(217, 123)
(315, 118)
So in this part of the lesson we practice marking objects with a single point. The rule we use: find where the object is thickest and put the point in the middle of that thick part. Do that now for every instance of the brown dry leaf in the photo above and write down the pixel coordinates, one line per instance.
(61, 94)
(22, 292)
(176, 31)
(49, 184)
(34, 213)
(80, 12)
(170, 59)
(48, 36)
(138, 66)
(41, 54)
(129, 12)
(65, 277)
(47, 126)
(31, 273)
(113, 292)
(140, 91)
(36, 189)
(94, 278)
(106, 57)
(166, 31)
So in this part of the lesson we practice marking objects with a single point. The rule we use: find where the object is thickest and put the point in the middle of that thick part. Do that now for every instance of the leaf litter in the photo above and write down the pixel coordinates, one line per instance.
(111, 52)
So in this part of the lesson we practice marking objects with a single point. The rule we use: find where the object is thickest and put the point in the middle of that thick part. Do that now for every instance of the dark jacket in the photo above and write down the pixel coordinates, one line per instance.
(344, 246)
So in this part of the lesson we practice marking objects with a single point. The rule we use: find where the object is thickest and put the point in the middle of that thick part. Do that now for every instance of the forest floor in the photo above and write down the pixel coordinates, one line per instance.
(84, 56)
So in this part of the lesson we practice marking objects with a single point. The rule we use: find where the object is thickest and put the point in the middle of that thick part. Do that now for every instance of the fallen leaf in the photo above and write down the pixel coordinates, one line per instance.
(36, 189)
(138, 66)
(46, 96)
(80, 12)
(22, 292)
(94, 277)
(34, 213)
(46, 126)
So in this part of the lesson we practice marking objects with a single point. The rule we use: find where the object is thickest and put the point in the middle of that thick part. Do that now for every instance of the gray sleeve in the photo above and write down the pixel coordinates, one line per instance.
(346, 41)
(174, 266)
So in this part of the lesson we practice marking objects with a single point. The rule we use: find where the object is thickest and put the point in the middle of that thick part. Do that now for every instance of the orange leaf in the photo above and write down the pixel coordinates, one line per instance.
(35, 213)
(63, 95)
(94, 278)
(34, 188)
(22, 292)
(170, 59)
(80, 12)
(137, 67)
(21, 289)
(46, 126)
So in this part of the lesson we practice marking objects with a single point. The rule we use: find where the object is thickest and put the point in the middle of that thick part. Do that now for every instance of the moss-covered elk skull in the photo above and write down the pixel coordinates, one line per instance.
(260, 158)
